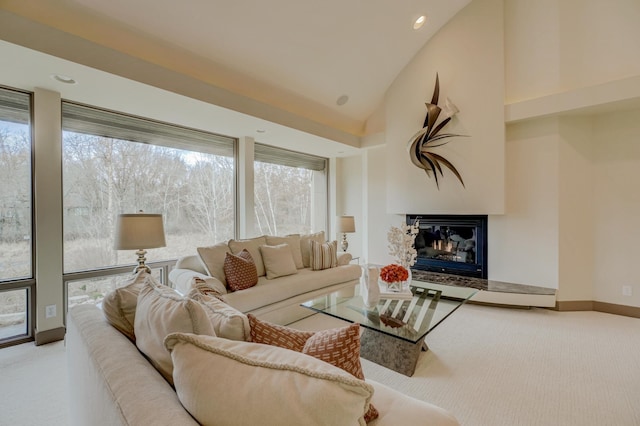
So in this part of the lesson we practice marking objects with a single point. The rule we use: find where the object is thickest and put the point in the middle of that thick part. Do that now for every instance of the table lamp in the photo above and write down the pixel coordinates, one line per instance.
(346, 225)
(139, 231)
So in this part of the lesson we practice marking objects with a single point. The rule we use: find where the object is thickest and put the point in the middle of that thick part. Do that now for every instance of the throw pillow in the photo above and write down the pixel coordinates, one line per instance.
(324, 255)
(339, 347)
(212, 258)
(277, 335)
(294, 243)
(210, 286)
(226, 382)
(227, 321)
(240, 270)
(278, 261)
(305, 246)
(162, 311)
(253, 247)
(119, 305)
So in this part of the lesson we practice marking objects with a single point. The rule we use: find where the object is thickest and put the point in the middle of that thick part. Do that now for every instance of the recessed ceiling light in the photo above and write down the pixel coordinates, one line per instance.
(342, 100)
(419, 22)
(261, 131)
(63, 79)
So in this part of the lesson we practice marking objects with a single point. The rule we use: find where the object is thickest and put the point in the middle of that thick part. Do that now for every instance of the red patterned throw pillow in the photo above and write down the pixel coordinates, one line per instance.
(339, 347)
(240, 271)
(277, 335)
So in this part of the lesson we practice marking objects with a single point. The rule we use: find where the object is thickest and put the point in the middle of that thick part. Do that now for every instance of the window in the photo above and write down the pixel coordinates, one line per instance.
(114, 163)
(290, 191)
(16, 266)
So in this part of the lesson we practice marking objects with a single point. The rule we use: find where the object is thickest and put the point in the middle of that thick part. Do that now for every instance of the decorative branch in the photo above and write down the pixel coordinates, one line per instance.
(429, 137)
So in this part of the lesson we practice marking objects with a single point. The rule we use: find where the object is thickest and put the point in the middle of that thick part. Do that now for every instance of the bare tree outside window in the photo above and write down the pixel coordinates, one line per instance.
(283, 199)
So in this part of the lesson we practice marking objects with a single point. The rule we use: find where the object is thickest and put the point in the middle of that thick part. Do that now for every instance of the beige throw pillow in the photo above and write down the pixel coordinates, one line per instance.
(253, 247)
(324, 255)
(222, 381)
(162, 311)
(212, 258)
(293, 241)
(227, 321)
(119, 305)
(305, 246)
(278, 261)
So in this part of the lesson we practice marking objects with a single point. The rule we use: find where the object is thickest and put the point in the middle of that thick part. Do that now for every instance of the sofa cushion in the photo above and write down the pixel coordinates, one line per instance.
(293, 241)
(162, 311)
(267, 291)
(277, 335)
(305, 246)
(278, 261)
(222, 381)
(240, 270)
(253, 247)
(227, 322)
(212, 258)
(119, 305)
(324, 255)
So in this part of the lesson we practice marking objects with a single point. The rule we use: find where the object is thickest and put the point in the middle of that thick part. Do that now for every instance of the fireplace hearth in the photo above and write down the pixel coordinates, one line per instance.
(451, 244)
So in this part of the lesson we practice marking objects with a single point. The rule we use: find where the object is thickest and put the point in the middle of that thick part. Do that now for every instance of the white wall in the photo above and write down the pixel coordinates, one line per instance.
(468, 55)
(575, 210)
(616, 178)
(349, 201)
(523, 243)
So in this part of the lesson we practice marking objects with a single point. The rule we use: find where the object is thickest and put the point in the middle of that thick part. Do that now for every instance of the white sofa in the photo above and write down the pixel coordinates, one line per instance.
(276, 300)
(112, 383)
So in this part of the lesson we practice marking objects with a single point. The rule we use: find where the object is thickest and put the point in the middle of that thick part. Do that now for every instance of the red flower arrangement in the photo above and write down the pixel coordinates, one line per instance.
(394, 273)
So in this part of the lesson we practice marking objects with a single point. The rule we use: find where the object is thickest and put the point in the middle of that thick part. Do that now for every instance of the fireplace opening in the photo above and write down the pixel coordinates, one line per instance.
(451, 244)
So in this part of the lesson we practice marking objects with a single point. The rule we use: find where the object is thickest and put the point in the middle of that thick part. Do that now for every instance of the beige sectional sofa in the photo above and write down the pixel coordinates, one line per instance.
(112, 383)
(273, 299)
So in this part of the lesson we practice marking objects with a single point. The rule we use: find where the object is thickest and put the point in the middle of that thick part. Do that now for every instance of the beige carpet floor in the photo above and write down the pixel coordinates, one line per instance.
(489, 366)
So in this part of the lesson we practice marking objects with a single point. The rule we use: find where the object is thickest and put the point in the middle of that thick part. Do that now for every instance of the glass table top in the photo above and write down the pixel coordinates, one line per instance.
(409, 319)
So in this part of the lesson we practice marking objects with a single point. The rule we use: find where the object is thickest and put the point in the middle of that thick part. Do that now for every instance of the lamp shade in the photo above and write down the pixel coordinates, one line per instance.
(346, 224)
(135, 231)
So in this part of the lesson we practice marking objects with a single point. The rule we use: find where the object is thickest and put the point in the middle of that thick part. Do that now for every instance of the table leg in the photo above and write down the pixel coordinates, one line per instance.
(391, 352)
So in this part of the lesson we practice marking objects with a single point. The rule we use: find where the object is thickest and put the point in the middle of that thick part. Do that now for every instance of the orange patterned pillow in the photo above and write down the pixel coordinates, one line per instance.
(277, 335)
(339, 347)
(240, 271)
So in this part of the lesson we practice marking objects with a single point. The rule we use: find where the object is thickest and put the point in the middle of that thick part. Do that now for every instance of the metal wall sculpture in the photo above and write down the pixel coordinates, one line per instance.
(422, 143)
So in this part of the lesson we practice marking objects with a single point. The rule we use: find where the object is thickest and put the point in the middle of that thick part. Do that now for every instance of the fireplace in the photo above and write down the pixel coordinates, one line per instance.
(451, 244)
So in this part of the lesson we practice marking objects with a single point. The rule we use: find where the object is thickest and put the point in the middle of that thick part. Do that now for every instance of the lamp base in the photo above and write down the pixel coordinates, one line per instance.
(344, 245)
(141, 262)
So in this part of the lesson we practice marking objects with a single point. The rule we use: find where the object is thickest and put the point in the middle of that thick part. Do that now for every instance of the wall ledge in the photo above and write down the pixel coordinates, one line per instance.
(617, 95)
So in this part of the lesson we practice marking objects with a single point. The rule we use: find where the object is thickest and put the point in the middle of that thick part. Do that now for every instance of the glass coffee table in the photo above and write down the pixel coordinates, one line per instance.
(394, 330)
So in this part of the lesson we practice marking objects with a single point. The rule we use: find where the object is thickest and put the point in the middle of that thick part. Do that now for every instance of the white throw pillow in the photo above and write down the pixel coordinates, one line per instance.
(278, 261)
(227, 321)
(305, 246)
(212, 258)
(119, 305)
(162, 311)
(226, 382)
(293, 241)
(253, 247)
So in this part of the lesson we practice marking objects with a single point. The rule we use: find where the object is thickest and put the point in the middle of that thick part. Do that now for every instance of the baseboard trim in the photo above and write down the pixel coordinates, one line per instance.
(611, 308)
(591, 305)
(49, 336)
(575, 305)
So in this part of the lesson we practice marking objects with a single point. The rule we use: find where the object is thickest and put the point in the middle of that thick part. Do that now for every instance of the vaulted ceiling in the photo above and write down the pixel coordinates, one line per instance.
(321, 66)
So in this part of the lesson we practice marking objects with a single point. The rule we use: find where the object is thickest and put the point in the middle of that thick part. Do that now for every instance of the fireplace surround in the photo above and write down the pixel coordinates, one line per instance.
(451, 244)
